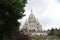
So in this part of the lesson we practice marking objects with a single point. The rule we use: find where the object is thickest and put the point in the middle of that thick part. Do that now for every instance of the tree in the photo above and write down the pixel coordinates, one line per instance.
(58, 33)
(51, 33)
(54, 32)
(10, 12)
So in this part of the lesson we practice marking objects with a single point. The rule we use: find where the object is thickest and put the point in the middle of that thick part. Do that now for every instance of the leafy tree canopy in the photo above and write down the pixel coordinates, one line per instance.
(10, 12)
(54, 32)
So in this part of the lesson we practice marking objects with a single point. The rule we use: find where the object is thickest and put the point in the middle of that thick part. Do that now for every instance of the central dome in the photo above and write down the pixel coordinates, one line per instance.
(32, 16)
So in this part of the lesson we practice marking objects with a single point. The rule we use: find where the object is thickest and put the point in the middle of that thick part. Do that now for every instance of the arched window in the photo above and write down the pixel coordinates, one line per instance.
(34, 30)
(29, 30)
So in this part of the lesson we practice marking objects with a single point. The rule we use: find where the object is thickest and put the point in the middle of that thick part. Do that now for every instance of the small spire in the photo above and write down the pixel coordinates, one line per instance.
(37, 18)
(31, 11)
(26, 19)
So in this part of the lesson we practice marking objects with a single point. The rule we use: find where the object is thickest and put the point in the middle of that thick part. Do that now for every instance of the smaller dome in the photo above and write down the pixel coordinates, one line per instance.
(37, 22)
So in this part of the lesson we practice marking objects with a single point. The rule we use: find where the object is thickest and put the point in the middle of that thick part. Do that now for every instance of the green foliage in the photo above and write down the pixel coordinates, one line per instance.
(10, 12)
(51, 32)
(36, 37)
(52, 37)
(54, 32)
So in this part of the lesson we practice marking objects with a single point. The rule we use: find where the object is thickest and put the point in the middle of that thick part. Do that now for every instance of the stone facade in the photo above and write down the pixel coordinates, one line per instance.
(33, 26)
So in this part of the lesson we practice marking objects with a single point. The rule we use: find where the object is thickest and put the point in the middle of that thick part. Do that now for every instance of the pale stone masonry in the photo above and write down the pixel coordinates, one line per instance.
(33, 26)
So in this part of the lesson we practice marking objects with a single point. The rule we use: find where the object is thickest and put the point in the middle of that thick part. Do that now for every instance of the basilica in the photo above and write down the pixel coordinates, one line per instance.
(33, 26)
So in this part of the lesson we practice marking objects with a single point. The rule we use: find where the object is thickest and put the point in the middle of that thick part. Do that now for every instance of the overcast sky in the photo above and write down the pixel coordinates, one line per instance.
(47, 12)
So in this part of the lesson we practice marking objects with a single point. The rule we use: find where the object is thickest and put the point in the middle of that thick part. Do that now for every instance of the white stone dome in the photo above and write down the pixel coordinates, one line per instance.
(32, 16)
